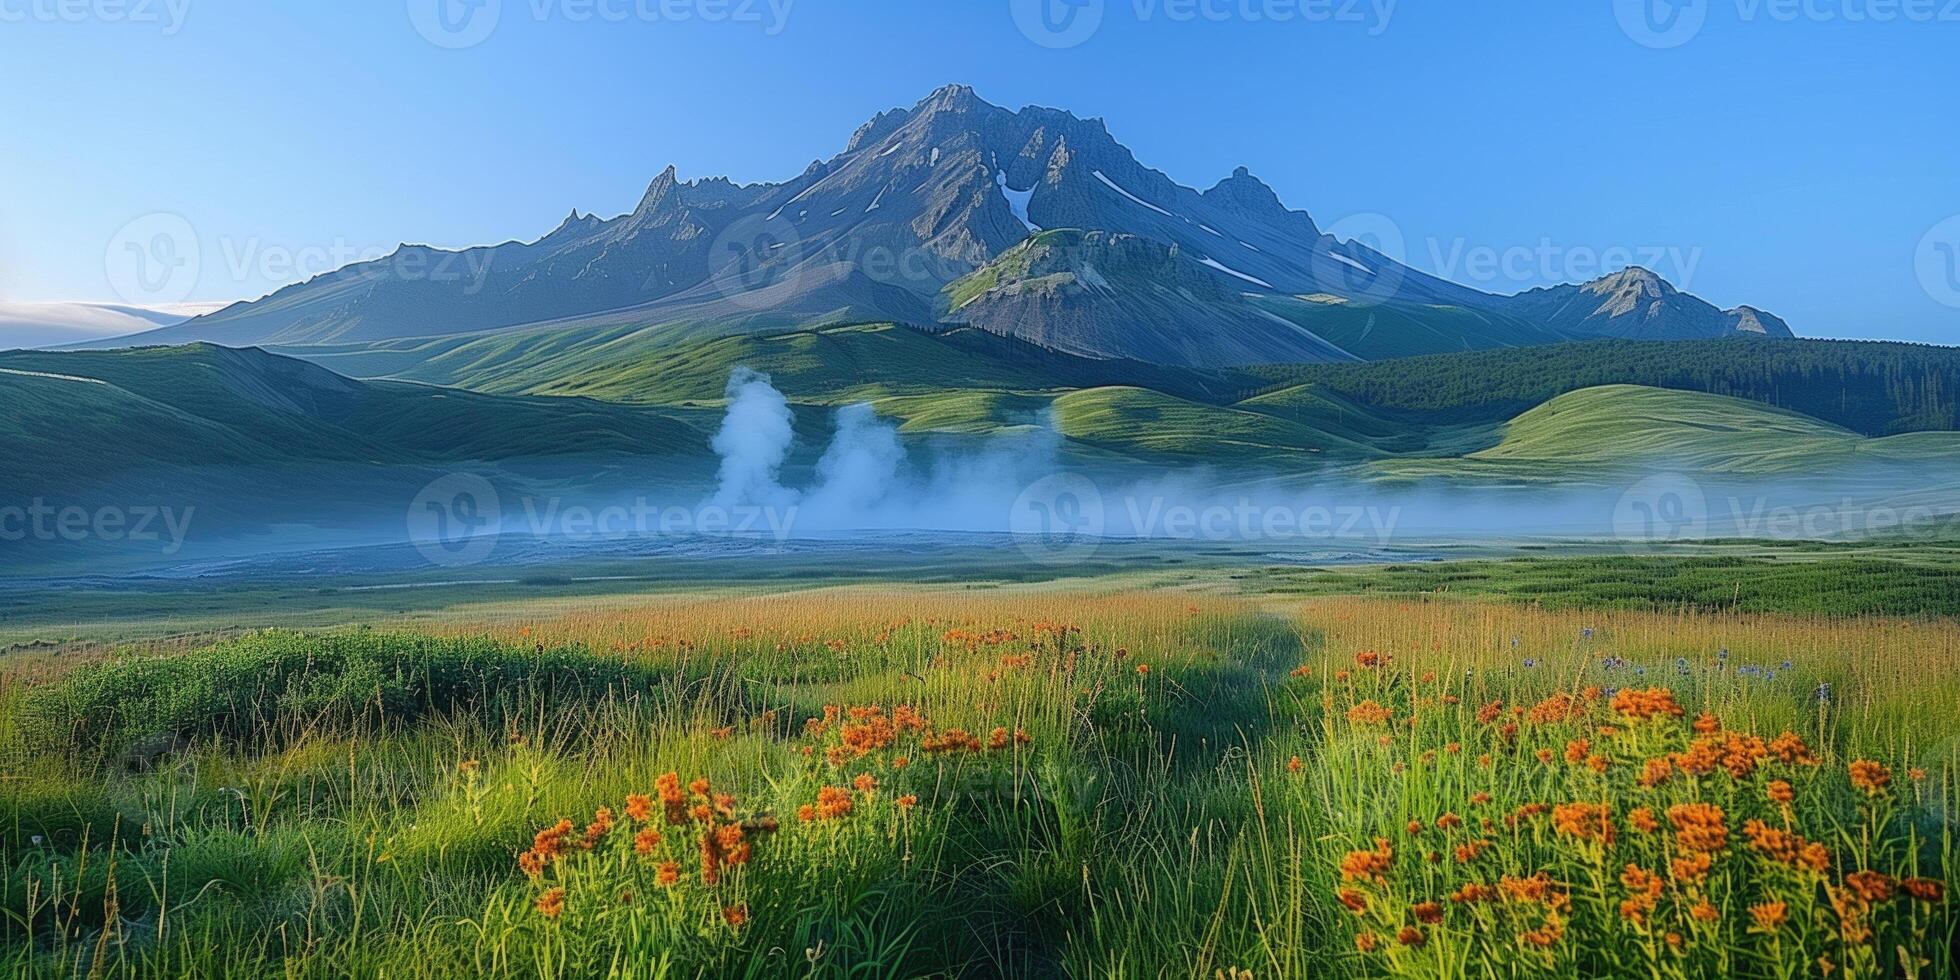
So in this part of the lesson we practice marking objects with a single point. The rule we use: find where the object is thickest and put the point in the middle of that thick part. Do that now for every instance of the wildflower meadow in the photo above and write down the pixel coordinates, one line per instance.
(906, 782)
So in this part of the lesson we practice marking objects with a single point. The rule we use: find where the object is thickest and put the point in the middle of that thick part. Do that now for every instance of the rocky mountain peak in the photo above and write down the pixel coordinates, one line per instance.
(1245, 192)
(660, 194)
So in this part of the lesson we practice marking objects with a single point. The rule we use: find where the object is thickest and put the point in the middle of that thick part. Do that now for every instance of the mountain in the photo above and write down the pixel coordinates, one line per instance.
(1104, 294)
(31, 325)
(1636, 304)
(928, 197)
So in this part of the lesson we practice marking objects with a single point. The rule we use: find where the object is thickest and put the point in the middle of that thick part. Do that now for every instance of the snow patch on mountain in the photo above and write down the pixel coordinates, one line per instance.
(1016, 200)
(1338, 257)
(1228, 270)
(1112, 185)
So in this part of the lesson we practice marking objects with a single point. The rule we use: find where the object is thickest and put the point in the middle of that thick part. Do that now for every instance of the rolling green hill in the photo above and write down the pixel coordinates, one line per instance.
(1616, 424)
(1148, 424)
(1869, 387)
(830, 365)
(1621, 428)
(84, 418)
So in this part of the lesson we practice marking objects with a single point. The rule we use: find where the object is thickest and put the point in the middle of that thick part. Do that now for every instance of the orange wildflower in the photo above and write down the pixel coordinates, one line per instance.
(1585, 821)
(639, 807)
(1428, 913)
(1644, 893)
(1639, 705)
(1656, 771)
(1786, 847)
(1769, 915)
(1779, 791)
(551, 904)
(1699, 827)
(1870, 777)
(1368, 713)
(1642, 819)
(668, 874)
(1369, 865)
(1871, 886)
(832, 802)
(1691, 867)
(1548, 935)
(1411, 937)
(1791, 750)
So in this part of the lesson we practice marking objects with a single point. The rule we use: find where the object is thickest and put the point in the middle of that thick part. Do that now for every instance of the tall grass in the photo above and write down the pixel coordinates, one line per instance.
(912, 783)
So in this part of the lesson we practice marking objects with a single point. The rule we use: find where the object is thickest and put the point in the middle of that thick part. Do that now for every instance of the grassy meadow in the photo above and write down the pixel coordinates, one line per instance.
(898, 781)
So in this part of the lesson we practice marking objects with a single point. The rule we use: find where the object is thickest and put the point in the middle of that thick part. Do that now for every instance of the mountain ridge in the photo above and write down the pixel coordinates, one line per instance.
(920, 198)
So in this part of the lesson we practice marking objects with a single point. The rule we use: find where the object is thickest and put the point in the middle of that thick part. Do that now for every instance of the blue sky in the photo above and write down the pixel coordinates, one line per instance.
(1798, 156)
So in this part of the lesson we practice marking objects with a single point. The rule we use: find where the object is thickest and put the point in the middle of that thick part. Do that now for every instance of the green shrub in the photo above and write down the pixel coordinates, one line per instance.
(273, 685)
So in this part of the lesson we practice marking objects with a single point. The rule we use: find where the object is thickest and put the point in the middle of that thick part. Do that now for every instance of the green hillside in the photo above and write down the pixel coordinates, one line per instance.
(1625, 427)
(1148, 424)
(1613, 424)
(1375, 332)
(78, 419)
(1868, 387)
(829, 365)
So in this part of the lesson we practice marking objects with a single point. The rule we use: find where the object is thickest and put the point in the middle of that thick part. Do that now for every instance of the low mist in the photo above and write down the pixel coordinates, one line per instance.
(1023, 481)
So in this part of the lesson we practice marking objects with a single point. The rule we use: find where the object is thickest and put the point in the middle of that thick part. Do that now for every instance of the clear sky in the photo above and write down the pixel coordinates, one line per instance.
(1798, 155)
